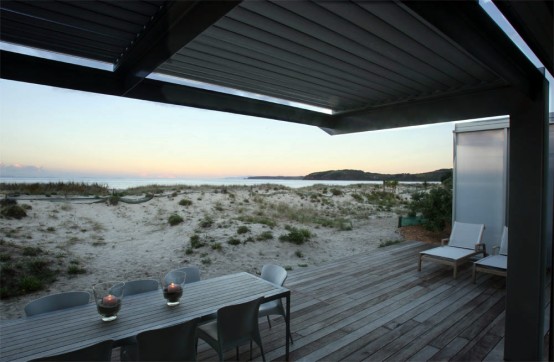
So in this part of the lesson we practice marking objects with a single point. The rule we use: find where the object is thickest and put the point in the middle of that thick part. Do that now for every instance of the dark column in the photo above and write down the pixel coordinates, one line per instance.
(528, 225)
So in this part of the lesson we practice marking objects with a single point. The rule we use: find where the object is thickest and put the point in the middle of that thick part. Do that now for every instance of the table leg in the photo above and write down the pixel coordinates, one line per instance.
(287, 322)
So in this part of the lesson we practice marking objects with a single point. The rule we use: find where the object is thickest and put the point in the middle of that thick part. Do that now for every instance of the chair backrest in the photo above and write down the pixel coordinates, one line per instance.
(504, 242)
(236, 324)
(140, 286)
(97, 352)
(175, 343)
(192, 272)
(54, 302)
(274, 274)
(466, 235)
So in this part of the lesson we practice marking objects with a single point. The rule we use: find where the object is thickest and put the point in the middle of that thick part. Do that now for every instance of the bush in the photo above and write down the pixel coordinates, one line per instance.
(336, 192)
(206, 222)
(114, 200)
(196, 242)
(243, 230)
(233, 241)
(435, 207)
(175, 220)
(31, 251)
(266, 235)
(185, 202)
(296, 236)
(13, 212)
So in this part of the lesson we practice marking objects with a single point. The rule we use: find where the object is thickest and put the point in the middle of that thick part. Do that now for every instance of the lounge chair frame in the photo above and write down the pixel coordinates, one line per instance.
(455, 245)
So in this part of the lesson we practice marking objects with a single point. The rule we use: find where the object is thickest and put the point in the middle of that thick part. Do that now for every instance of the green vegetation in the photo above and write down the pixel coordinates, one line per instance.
(266, 235)
(196, 242)
(216, 246)
(243, 230)
(185, 202)
(299, 254)
(336, 192)
(233, 241)
(74, 268)
(206, 222)
(258, 219)
(435, 205)
(296, 236)
(53, 188)
(175, 219)
(24, 270)
(382, 244)
(11, 210)
(114, 199)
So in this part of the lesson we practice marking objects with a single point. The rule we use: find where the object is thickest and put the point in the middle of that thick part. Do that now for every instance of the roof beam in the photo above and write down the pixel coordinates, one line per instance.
(474, 30)
(484, 103)
(25, 68)
(533, 20)
(176, 25)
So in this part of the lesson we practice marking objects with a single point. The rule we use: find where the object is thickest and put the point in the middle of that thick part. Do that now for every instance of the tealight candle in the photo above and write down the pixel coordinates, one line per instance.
(109, 300)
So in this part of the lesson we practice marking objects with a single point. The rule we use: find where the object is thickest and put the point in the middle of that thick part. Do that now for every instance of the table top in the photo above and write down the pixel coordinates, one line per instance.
(73, 328)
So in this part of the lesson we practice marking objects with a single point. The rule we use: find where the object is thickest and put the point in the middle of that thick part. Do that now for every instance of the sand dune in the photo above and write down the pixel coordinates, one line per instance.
(133, 241)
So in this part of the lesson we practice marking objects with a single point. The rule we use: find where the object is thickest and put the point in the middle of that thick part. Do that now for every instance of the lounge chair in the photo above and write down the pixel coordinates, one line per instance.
(494, 264)
(464, 243)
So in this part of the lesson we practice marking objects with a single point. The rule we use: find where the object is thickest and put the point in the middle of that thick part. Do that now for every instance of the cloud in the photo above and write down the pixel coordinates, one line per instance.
(17, 170)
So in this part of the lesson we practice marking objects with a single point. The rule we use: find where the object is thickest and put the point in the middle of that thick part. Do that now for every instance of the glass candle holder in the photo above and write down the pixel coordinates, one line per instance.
(108, 297)
(172, 287)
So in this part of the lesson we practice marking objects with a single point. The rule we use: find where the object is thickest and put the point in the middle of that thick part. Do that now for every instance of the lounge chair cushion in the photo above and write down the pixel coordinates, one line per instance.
(449, 252)
(494, 261)
(466, 235)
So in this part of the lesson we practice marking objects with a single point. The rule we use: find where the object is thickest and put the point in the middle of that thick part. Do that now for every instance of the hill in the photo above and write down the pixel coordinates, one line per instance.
(358, 175)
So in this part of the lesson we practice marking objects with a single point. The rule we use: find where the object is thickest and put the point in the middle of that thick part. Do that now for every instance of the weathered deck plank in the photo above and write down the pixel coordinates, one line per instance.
(378, 307)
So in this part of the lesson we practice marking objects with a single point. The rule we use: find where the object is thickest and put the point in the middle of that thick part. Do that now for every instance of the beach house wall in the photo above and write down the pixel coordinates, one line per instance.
(481, 176)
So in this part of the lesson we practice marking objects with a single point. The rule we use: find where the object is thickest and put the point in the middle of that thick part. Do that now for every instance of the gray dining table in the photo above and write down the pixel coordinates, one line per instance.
(73, 328)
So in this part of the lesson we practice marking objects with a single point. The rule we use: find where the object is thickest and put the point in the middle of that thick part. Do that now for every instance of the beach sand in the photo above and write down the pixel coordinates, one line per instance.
(135, 241)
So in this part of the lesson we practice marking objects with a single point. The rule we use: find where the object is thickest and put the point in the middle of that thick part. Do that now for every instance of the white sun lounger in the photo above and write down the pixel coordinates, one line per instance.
(494, 264)
(464, 242)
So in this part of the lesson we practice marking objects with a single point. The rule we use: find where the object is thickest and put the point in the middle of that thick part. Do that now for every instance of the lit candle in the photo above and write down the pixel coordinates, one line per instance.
(172, 288)
(109, 300)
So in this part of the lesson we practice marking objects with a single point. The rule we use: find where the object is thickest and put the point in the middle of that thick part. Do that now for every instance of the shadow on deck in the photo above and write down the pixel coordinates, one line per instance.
(379, 307)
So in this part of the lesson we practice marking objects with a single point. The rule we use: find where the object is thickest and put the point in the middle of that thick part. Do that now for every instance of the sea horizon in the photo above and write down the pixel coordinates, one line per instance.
(121, 183)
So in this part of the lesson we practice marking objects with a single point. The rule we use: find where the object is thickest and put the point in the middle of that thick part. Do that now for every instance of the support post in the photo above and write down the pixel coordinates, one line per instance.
(527, 232)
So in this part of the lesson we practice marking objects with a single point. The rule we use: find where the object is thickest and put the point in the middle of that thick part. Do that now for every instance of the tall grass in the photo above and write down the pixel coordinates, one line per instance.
(55, 188)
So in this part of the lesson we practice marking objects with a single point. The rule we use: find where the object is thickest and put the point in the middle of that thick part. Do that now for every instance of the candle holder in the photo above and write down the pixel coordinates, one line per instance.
(172, 287)
(108, 297)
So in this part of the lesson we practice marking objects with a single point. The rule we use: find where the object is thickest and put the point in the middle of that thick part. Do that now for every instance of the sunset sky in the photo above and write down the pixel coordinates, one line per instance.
(46, 131)
(88, 134)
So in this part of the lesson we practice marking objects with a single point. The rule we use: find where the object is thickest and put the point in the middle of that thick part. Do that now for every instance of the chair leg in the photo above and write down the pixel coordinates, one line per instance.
(455, 271)
(268, 322)
(474, 275)
(419, 263)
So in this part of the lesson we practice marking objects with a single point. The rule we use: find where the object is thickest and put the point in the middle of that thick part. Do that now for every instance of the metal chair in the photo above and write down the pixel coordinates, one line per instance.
(175, 343)
(128, 350)
(55, 302)
(235, 325)
(277, 275)
(192, 272)
(97, 352)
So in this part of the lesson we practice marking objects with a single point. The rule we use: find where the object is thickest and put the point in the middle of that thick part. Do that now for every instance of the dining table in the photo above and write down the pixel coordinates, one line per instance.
(70, 329)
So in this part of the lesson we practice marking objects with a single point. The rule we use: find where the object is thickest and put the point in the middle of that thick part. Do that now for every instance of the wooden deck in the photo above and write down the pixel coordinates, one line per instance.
(379, 307)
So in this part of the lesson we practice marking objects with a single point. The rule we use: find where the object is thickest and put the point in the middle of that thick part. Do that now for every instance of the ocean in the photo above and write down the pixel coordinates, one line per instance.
(124, 183)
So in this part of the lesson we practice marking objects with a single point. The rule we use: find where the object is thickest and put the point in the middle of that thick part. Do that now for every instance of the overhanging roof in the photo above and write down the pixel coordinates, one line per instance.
(374, 64)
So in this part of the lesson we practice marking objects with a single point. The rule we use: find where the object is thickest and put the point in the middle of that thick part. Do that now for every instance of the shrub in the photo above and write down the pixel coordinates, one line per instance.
(188, 251)
(233, 241)
(255, 219)
(196, 242)
(382, 244)
(206, 222)
(175, 220)
(358, 197)
(296, 236)
(13, 212)
(30, 283)
(206, 261)
(266, 235)
(435, 207)
(243, 230)
(31, 251)
(216, 246)
(185, 202)
(336, 192)
(75, 269)
(114, 200)
(299, 254)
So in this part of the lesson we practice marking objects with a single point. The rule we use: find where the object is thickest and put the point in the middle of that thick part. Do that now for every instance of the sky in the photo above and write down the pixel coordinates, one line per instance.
(49, 132)
(50, 129)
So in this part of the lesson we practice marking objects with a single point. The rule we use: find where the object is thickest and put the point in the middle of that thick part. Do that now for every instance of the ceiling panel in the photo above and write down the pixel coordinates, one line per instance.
(334, 54)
